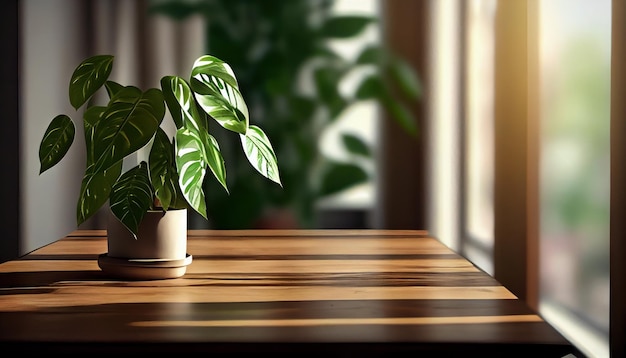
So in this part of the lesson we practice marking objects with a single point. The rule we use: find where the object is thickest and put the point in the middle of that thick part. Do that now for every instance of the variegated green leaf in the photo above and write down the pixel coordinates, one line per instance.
(224, 112)
(88, 77)
(181, 103)
(132, 120)
(260, 153)
(56, 141)
(131, 197)
(163, 175)
(191, 164)
(213, 66)
(214, 158)
(218, 95)
(95, 190)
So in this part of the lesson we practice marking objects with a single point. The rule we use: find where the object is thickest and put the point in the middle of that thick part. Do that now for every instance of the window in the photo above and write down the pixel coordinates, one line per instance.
(462, 125)
(574, 87)
(361, 118)
(528, 140)
(478, 151)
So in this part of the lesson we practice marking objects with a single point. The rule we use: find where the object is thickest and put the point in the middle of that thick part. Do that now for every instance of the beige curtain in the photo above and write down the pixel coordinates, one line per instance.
(146, 46)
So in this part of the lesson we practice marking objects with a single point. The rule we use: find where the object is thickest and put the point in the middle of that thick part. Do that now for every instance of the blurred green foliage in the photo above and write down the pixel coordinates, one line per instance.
(271, 46)
(575, 207)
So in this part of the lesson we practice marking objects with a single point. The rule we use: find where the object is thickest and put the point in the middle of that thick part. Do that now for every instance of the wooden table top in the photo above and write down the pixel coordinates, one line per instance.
(271, 291)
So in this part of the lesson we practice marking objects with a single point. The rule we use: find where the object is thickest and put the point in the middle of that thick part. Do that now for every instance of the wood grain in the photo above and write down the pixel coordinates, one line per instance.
(321, 291)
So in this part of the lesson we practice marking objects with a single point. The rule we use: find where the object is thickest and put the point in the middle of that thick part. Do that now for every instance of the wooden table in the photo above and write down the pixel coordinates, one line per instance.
(331, 292)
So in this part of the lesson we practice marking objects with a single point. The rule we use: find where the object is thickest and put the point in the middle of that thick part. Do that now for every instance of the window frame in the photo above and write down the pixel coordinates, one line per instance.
(401, 198)
(516, 189)
(516, 250)
(617, 328)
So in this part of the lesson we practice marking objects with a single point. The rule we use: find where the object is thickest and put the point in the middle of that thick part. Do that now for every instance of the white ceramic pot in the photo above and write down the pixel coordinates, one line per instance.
(161, 235)
(158, 252)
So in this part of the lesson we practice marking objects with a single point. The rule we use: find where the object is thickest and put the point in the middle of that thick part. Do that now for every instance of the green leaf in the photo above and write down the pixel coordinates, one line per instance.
(327, 83)
(260, 153)
(112, 88)
(355, 145)
(91, 118)
(371, 88)
(163, 175)
(88, 77)
(129, 123)
(370, 55)
(191, 163)
(406, 78)
(401, 115)
(324, 51)
(214, 67)
(214, 158)
(218, 94)
(56, 142)
(181, 103)
(345, 26)
(95, 190)
(339, 176)
(301, 107)
(131, 197)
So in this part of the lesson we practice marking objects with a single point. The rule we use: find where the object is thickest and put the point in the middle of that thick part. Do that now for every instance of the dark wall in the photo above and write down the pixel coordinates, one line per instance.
(9, 135)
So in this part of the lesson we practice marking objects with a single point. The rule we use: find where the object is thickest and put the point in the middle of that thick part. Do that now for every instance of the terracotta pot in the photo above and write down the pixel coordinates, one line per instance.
(158, 252)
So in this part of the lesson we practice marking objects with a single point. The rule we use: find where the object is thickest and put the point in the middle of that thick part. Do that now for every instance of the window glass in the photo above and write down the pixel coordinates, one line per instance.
(479, 141)
(575, 42)
(360, 119)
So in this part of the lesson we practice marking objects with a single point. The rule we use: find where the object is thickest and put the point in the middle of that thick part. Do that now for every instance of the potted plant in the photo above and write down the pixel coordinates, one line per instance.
(170, 179)
(275, 47)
